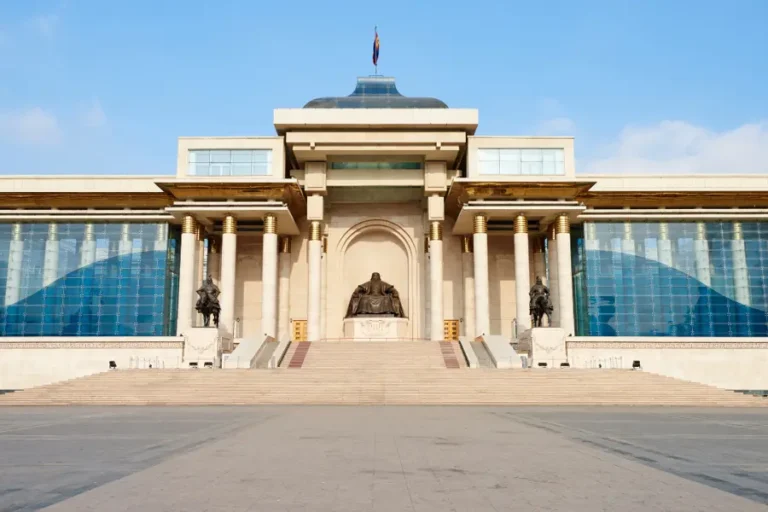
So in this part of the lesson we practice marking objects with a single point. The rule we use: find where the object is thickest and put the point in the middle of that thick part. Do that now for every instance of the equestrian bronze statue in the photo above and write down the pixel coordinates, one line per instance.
(540, 304)
(375, 298)
(208, 303)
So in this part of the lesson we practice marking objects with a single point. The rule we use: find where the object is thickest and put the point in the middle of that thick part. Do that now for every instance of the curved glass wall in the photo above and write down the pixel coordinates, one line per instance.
(672, 279)
(93, 279)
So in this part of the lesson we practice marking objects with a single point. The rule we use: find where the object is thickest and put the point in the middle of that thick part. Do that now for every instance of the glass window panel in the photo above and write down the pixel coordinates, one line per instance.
(531, 155)
(241, 169)
(532, 169)
(509, 167)
(486, 155)
(509, 155)
(260, 168)
(196, 156)
(262, 155)
(489, 167)
(241, 156)
(221, 156)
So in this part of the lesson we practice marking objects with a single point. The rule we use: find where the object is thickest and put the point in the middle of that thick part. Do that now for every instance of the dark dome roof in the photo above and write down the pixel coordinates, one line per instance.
(375, 92)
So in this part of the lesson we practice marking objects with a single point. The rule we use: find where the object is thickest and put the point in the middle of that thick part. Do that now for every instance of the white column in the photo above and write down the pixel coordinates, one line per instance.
(51, 262)
(15, 262)
(436, 331)
(522, 275)
(269, 277)
(227, 282)
(125, 245)
(315, 256)
(701, 252)
(482, 308)
(186, 275)
(554, 282)
(740, 271)
(565, 274)
(539, 264)
(161, 238)
(468, 274)
(284, 290)
(324, 288)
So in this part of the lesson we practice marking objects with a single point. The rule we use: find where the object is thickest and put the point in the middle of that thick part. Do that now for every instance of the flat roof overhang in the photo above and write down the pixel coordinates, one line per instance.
(286, 119)
(210, 213)
(84, 200)
(236, 190)
(675, 199)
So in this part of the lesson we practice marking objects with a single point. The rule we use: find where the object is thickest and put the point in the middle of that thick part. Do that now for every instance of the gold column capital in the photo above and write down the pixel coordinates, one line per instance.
(315, 231)
(270, 224)
(738, 232)
(481, 223)
(188, 225)
(521, 224)
(16, 233)
(701, 231)
(229, 225)
(436, 230)
(53, 231)
(285, 245)
(466, 244)
(663, 231)
(562, 225)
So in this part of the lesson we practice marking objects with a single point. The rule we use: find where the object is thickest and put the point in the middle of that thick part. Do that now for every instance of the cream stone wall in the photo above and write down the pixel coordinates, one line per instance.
(501, 283)
(453, 281)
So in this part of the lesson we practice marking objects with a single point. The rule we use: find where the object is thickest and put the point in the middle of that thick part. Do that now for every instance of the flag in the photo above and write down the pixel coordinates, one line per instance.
(376, 48)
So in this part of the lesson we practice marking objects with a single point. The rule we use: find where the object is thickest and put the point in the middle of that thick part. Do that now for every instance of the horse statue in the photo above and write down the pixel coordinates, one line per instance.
(540, 304)
(208, 303)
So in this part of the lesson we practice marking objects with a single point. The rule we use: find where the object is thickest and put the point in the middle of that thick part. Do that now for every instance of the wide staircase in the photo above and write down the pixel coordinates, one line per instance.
(375, 374)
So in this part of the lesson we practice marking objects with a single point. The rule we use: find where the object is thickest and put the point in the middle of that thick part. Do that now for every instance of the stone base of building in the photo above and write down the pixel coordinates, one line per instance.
(375, 328)
(545, 345)
(201, 346)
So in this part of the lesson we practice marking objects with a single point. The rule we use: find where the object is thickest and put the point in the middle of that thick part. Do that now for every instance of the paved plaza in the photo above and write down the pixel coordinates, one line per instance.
(383, 458)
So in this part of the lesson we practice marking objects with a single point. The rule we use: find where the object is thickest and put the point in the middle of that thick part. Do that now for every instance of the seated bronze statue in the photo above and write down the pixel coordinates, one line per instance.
(375, 298)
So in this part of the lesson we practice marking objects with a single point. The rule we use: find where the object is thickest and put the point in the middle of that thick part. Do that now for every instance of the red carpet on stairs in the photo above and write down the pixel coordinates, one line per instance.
(298, 356)
(449, 354)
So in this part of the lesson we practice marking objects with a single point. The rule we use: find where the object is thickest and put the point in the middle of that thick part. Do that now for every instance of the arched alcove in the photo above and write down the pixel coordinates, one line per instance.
(378, 245)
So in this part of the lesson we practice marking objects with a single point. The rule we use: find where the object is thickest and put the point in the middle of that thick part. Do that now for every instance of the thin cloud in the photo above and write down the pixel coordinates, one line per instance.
(556, 126)
(34, 126)
(679, 147)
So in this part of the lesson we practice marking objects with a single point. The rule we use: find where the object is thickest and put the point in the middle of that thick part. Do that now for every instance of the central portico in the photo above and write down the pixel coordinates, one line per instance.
(290, 226)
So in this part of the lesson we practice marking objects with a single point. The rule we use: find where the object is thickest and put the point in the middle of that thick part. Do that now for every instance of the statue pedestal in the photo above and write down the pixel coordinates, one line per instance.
(546, 345)
(201, 345)
(375, 328)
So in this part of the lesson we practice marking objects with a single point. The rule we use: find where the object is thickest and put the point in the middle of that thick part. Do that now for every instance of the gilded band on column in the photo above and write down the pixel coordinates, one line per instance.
(738, 233)
(435, 230)
(521, 224)
(701, 230)
(229, 225)
(663, 231)
(270, 224)
(481, 224)
(16, 233)
(466, 244)
(188, 225)
(285, 245)
(628, 231)
(315, 231)
(563, 224)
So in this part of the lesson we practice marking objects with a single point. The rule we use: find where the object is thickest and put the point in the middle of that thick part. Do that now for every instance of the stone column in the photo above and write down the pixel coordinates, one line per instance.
(522, 275)
(315, 256)
(539, 263)
(468, 274)
(200, 256)
(269, 277)
(565, 274)
(284, 290)
(161, 238)
(701, 252)
(15, 264)
(482, 308)
(554, 283)
(740, 271)
(436, 281)
(88, 248)
(227, 281)
(51, 262)
(324, 288)
(186, 275)
(125, 246)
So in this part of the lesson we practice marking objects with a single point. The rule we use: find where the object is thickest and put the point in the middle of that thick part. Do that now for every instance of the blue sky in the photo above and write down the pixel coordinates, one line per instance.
(658, 86)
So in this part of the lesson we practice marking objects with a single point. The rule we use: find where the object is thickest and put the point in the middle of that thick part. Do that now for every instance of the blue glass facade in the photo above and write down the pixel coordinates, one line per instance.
(671, 279)
(94, 279)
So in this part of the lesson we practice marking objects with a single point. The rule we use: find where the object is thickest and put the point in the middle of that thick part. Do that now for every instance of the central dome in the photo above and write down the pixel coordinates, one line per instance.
(375, 92)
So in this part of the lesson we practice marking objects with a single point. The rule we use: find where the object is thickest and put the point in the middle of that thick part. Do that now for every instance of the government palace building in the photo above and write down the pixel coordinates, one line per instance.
(669, 272)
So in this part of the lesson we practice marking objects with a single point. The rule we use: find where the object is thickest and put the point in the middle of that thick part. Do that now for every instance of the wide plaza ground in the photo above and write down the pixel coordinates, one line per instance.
(358, 459)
